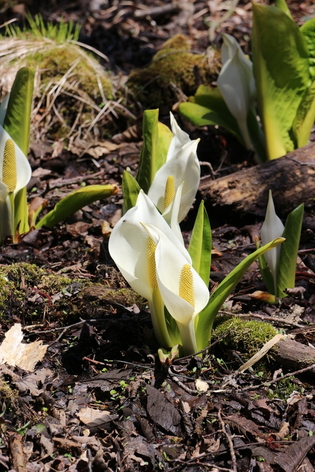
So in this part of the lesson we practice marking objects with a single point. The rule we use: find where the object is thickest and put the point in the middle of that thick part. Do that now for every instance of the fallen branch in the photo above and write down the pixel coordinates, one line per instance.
(291, 179)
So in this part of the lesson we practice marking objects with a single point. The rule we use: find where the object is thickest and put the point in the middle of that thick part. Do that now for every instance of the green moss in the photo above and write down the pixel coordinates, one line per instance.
(246, 337)
(26, 291)
(174, 71)
(33, 295)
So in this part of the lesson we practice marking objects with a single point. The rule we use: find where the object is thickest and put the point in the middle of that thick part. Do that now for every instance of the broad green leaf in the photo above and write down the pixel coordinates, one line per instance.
(204, 320)
(284, 7)
(281, 69)
(305, 116)
(130, 191)
(304, 119)
(207, 107)
(266, 274)
(21, 212)
(289, 250)
(18, 116)
(200, 245)
(150, 157)
(308, 32)
(74, 202)
(165, 136)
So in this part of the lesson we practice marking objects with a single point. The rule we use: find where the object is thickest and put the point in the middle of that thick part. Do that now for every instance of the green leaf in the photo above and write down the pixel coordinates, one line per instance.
(284, 7)
(308, 32)
(289, 251)
(165, 137)
(304, 119)
(204, 321)
(154, 149)
(18, 116)
(207, 107)
(74, 202)
(21, 212)
(200, 245)
(266, 274)
(281, 70)
(130, 191)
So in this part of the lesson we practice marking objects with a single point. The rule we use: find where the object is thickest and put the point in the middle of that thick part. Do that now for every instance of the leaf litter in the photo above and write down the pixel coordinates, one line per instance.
(99, 400)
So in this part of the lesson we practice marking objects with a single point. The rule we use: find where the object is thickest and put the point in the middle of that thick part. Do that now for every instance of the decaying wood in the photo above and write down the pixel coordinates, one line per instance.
(291, 179)
(294, 356)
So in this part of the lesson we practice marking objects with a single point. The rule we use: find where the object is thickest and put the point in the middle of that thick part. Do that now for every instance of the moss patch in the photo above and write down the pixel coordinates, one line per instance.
(246, 337)
(174, 71)
(35, 295)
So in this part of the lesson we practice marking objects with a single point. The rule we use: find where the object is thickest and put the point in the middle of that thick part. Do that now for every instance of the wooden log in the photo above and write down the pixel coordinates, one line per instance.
(295, 356)
(291, 179)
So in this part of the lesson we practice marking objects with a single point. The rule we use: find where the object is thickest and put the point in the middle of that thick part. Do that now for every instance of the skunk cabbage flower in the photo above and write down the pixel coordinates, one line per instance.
(15, 173)
(183, 291)
(181, 166)
(157, 266)
(133, 251)
(236, 83)
(272, 228)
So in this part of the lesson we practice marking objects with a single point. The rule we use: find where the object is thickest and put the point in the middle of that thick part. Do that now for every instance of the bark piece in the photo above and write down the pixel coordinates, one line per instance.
(295, 356)
(291, 179)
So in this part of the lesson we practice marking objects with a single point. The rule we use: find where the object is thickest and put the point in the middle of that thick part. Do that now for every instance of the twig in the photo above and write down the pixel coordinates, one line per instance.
(191, 391)
(156, 11)
(229, 440)
(292, 374)
(133, 364)
(75, 180)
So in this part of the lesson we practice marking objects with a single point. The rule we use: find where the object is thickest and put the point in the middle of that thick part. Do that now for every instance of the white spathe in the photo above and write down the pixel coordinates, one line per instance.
(183, 165)
(237, 84)
(23, 176)
(23, 168)
(153, 259)
(271, 229)
(169, 268)
(129, 241)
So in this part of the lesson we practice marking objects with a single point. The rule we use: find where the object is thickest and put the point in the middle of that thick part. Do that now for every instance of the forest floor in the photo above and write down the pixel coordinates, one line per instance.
(99, 399)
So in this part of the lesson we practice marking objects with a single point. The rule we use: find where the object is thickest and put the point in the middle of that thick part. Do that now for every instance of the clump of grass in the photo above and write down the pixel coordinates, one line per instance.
(57, 32)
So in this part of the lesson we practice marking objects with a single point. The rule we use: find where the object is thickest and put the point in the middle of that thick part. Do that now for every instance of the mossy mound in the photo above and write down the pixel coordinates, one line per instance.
(246, 337)
(35, 295)
(173, 73)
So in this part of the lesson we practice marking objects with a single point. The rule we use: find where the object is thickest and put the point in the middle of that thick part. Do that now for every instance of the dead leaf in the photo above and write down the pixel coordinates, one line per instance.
(201, 385)
(162, 411)
(31, 381)
(13, 352)
(95, 418)
(294, 454)
(90, 415)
